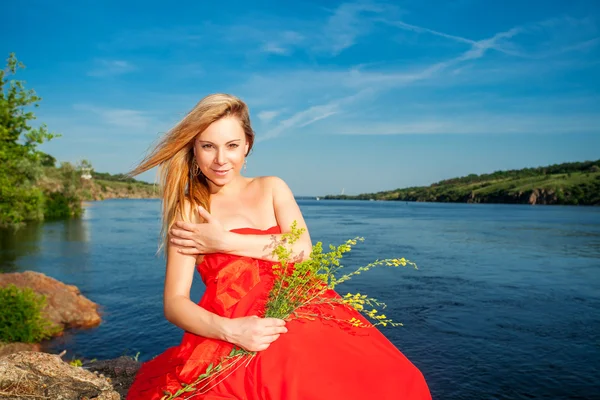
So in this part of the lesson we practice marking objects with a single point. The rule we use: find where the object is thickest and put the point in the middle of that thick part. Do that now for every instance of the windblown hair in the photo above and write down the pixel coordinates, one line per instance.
(182, 191)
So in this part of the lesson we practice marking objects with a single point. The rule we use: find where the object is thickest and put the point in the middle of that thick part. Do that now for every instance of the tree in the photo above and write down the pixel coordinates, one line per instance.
(21, 164)
(15, 119)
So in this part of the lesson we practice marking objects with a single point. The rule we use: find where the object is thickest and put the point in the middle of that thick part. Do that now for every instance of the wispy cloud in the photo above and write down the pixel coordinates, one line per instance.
(311, 115)
(544, 39)
(482, 123)
(346, 24)
(283, 43)
(348, 81)
(420, 29)
(118, 117)
(314, 91)
(158, 38)
(345, 82)
(301, 119)
(103, 67)
(339, 29)
(267, 116)
(493, 43)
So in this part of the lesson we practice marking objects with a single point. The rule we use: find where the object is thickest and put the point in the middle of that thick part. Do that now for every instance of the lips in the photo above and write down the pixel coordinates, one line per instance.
(221, 172)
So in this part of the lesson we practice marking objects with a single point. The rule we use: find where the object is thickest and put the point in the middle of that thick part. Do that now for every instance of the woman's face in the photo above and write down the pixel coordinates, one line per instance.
(221, 150)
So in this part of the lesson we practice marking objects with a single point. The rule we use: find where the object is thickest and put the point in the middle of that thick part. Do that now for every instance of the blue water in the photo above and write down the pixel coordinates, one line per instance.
(505, 303)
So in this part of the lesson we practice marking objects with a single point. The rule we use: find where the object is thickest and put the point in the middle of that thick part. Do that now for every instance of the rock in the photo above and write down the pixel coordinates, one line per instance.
(120, 370)
(65, 305)
(10, 348)
(533, 196)
(543, 196)
(32, 375)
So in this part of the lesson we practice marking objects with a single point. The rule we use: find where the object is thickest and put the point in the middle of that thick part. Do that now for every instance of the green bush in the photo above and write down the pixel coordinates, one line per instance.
(60, 205)
(20, 204)
(21, 318)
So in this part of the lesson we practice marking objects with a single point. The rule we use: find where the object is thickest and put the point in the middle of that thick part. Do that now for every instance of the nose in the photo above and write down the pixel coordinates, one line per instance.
(220, 157)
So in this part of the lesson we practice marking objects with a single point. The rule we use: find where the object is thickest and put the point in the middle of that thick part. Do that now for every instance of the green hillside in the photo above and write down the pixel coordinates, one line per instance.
(104, 186)
(575, 183)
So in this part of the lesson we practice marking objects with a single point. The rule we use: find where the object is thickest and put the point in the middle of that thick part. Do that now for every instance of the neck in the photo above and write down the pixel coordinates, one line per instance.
(231, 188)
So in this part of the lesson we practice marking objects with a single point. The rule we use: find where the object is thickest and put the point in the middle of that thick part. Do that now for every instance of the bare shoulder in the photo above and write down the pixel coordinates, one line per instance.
(272, 182)
(187, 213)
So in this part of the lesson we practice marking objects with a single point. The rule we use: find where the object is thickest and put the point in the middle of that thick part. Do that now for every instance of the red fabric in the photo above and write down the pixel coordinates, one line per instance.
(314, 360)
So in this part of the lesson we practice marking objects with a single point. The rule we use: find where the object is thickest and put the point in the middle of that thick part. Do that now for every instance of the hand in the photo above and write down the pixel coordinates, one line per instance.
(254, 333)
(205, 238)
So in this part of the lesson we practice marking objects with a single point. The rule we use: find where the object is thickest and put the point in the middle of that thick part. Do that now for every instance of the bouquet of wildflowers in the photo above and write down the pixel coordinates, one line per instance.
(298, 289)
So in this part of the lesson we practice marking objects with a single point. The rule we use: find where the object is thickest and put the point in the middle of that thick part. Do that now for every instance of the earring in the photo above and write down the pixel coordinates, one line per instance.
(245, 163)
(195, 168)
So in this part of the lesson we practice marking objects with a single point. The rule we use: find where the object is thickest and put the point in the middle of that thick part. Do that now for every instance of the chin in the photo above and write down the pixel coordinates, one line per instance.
(222, 180)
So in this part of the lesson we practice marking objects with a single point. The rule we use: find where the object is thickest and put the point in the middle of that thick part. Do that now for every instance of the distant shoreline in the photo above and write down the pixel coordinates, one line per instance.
(459, 202)
(562, 184)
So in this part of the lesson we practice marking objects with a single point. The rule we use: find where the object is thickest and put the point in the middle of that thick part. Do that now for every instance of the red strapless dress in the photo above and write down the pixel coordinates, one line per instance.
(314, 360)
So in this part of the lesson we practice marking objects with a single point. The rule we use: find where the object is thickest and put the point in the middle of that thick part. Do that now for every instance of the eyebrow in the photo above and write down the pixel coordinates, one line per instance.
(207, 141)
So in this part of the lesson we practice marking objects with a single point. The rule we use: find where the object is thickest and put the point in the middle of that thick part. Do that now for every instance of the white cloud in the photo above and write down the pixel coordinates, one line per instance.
(325, 36)
(482, 123)
(345, 25)
(267, 116)
(311, 115)
(301, 119)
(419, 29)
(283, 43)
(346, 82)
(118, 117)
(317, 93)
(275, 48)
(104, 68)
(311, 83)
(159, 37)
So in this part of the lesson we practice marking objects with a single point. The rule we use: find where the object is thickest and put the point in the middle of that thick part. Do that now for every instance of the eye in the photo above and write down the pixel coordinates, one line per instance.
(233, 145)
(206, 146)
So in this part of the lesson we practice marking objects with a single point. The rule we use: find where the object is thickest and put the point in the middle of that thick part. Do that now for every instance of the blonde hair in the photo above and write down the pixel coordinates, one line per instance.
(174, 156)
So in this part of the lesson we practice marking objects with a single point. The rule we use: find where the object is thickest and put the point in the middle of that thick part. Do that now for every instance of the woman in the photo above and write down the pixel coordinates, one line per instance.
(201, 161)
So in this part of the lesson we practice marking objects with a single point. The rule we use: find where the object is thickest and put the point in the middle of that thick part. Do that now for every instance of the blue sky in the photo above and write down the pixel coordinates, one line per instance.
(360, 96)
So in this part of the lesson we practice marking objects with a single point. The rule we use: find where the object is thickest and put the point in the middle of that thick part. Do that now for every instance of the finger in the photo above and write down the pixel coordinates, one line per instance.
(270, 339)
(187, 226)
(205, 214)
(189, 251)
(277, 330)
(183, 242)
(274, 322)
(262, 347)
(181, 233)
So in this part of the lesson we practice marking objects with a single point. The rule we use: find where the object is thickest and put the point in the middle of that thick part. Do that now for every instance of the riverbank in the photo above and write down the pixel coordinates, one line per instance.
(100, 189)
(562, 184)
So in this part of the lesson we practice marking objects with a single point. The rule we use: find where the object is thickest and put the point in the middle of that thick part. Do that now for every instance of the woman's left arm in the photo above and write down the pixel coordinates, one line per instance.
(212, 238)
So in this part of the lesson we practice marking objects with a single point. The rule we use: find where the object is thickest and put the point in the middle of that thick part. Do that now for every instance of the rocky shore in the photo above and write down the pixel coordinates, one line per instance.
(28, 373)
(66, 307)
(94, 190)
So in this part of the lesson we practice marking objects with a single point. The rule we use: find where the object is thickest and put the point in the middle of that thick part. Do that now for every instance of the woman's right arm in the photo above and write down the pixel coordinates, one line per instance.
(178, 308)
(251, 333)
